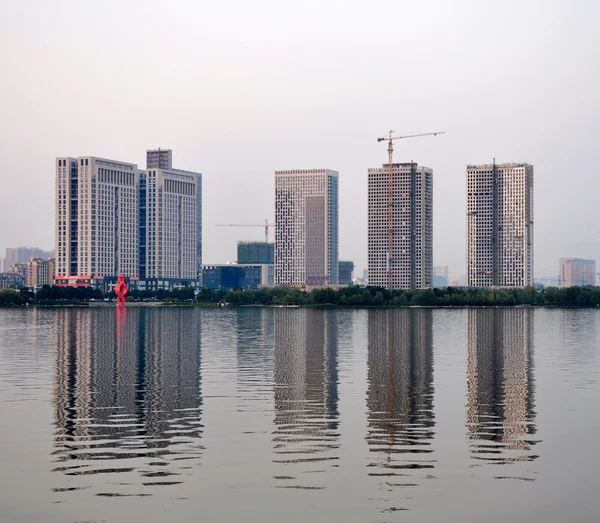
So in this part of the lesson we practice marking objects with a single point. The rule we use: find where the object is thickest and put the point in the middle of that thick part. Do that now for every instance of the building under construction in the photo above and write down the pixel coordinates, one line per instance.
(256, 252)
(400, 226)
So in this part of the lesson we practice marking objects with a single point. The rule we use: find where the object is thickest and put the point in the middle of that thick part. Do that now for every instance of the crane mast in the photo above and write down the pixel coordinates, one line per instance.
(389, 140)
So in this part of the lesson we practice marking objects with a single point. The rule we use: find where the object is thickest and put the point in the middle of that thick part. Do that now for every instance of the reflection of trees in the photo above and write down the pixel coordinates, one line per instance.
(127, 387)
(306, 388)
(500, 384)
(400, 393)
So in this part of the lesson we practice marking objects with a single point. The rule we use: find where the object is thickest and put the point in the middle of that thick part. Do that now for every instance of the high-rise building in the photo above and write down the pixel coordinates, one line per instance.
(500, 225)
(97, 218)
(440, 276)
(24, 254)
(159, 159)
(2, 265)
(345, 269)
(170, 206)
(400, 250)
(256, 252)
(40, 272)
(113, 218)
(306, 227)
(577, 272)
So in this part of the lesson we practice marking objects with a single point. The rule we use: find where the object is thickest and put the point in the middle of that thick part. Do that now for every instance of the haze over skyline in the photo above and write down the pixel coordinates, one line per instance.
(238, 90)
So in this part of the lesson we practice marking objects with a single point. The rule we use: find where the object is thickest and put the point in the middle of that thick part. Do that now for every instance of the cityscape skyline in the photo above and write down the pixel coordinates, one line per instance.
(229, 98)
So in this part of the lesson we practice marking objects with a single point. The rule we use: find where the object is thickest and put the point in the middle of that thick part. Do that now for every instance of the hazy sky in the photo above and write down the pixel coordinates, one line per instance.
(240, 89)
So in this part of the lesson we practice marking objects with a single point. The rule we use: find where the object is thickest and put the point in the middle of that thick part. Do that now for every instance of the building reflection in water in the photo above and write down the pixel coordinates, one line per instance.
(400, 396)
(500, 385)
(127, 398)
(255, 360)
(306, 435)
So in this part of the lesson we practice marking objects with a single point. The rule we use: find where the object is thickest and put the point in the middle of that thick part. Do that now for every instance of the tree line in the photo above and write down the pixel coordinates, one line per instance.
(345, 297)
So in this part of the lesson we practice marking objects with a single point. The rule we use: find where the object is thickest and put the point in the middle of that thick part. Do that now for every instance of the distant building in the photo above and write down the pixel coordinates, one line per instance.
(577, 272)
(40, 272)
(24, 254)
(547, 281)
(440, 276)
(2, 265)
(11, 280)
(159, 159)
(236, 276)
(400, 236)
(345, 269)
(306, 227)
(20, 269)
(255, 252)
(500, 225)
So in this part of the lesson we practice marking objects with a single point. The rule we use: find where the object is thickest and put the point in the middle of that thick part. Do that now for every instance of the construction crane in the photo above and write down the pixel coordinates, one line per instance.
(266, 226)
(389, 140)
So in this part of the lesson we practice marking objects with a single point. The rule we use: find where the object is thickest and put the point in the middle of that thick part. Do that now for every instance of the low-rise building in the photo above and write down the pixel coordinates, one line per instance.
(11, 280)
(238, 276)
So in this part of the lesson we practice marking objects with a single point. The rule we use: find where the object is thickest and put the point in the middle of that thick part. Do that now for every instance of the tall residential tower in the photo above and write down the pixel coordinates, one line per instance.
(500, 225)
(306, 227)
(400, 254)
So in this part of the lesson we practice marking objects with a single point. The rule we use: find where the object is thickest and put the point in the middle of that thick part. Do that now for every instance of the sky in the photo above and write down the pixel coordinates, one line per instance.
(240, 89)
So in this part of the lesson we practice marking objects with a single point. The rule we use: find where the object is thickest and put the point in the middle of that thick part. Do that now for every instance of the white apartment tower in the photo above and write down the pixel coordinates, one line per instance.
(306, 227)
(96, 217)
(400, 237)
(500, 225)
(170, 199)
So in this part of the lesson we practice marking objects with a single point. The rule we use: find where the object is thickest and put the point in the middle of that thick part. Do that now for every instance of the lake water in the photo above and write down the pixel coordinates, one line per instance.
(295, 415)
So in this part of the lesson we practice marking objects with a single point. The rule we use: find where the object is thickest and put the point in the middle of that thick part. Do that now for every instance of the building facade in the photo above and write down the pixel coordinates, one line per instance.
(400, 236)
(440, 276)
(234, 276)
(40, 272)
(577, 272)
(345, 269)
(306, 227)
(97, 217)
(169, 201)
(500, 225)
(256, 252)
(159, 159)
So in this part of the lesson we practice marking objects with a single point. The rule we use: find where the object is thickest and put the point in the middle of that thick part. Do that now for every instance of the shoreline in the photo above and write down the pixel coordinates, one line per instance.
(59, 305)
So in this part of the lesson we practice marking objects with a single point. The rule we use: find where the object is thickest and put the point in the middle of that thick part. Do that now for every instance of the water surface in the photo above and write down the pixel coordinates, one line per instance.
(186, 414)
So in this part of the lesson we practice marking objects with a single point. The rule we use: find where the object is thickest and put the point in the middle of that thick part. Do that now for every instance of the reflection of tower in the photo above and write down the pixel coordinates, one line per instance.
(254, 358)
(306, 390)
(500, 384)
(127, 394)
(400, 394)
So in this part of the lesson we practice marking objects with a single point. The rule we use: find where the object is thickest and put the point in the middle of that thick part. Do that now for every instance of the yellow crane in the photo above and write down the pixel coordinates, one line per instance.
(266, 226)
(389, 139)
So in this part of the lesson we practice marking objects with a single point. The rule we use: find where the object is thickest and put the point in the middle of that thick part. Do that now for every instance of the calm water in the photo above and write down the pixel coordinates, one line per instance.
(259, 415)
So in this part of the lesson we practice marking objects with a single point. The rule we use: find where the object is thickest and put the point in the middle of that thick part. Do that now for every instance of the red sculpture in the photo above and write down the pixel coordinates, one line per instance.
(121, 290)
